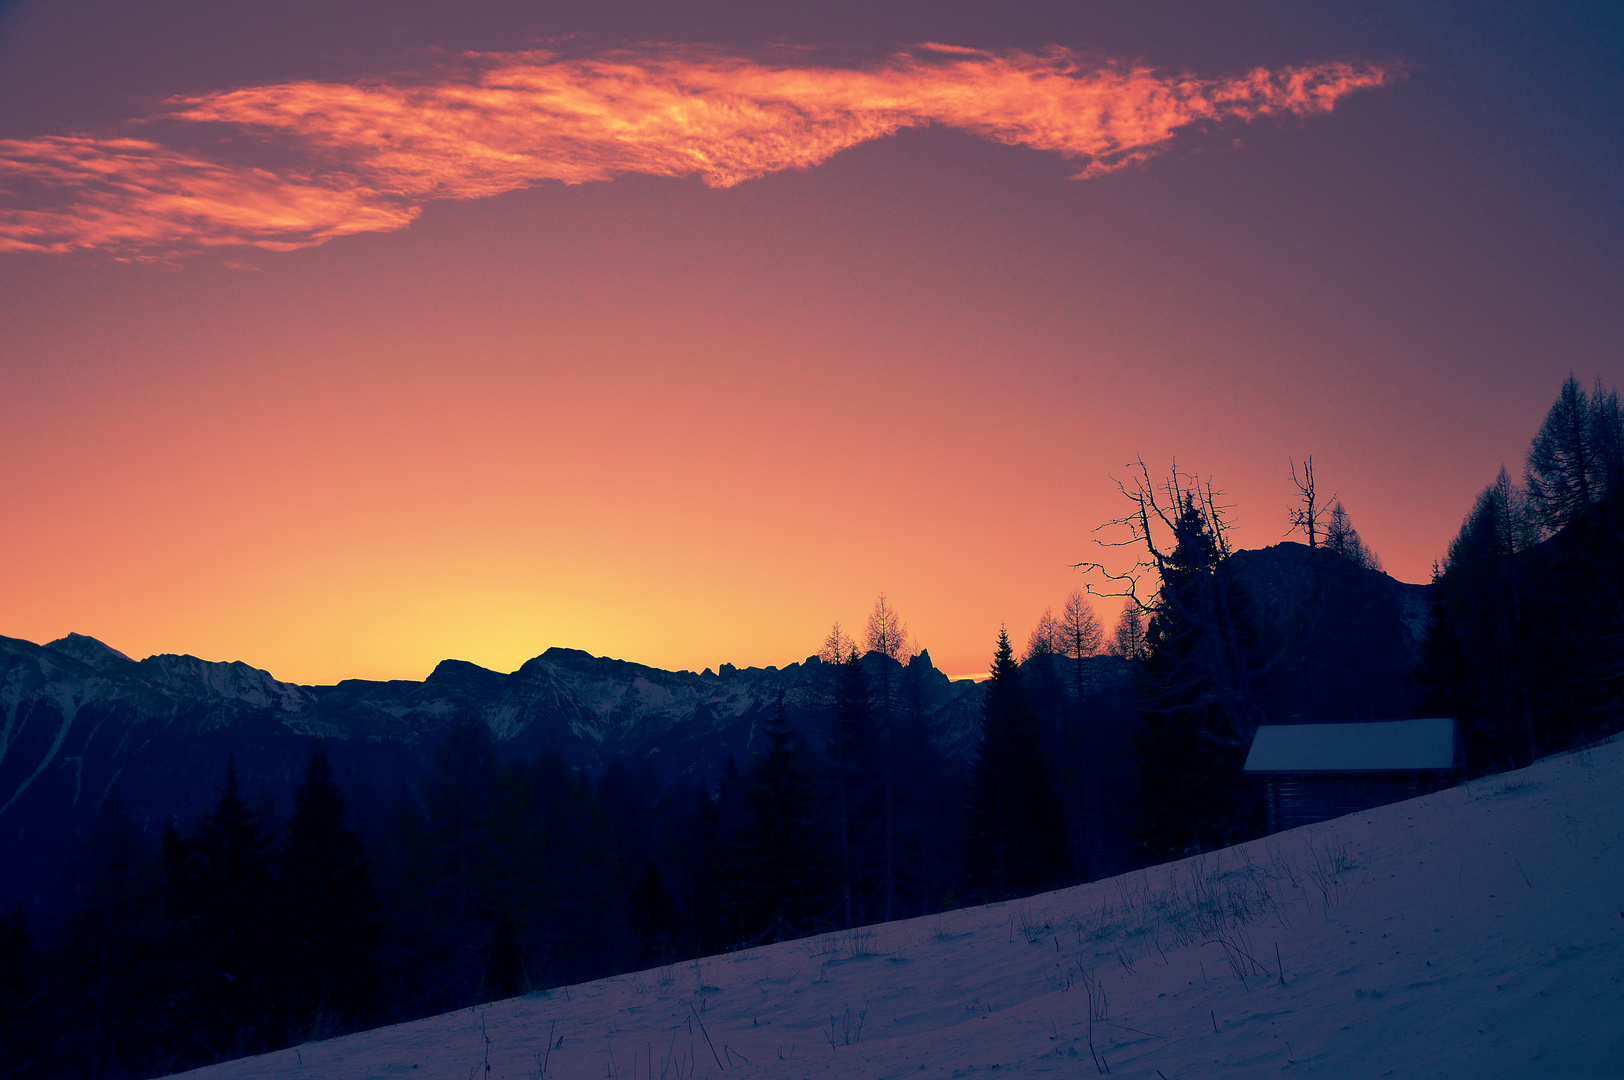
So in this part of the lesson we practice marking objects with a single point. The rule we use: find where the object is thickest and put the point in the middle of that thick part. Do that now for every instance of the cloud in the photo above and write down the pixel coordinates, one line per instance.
(135, 195)
(368, 155)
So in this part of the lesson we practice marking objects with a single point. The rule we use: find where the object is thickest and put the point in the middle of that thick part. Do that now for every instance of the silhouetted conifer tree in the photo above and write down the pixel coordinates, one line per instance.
(219, 888)
(930, 801)
(327, 909)
(451, 909)
(856, 770)
(104, 963)
(560, 874)
(1578, 455)
(19, 1000)
(1017, 834)
(649, 915)
(1199, 668)
(694, 827)
(780, 881)
(1526, 645)
(505, 973)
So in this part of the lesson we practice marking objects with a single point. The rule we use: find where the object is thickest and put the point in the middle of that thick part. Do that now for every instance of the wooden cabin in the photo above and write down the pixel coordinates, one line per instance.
(1314, 772)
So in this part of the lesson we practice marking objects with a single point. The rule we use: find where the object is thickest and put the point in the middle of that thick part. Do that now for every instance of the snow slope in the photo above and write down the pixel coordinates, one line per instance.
(1477, 932)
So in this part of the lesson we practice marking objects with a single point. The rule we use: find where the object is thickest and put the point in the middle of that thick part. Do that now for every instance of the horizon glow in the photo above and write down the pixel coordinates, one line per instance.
(345, 339)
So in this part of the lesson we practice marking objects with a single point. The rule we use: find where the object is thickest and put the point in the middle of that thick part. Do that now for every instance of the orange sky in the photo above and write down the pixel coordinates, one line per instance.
(697, 409)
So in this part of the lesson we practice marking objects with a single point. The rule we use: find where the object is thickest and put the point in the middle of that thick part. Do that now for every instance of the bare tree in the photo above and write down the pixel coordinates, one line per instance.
(1307, 516)
(1578, 455)
(1196, 626)
(888, 636)
(887, 633)
(1045, 639)
(1342, 538)
(1155, 506)
(1128, 640)
(1079, 631)
(836, 646)
(1202, 685)
(1077, 636)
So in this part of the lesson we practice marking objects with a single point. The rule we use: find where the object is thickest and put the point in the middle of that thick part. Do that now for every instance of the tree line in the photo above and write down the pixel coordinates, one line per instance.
(1527, 640)
(240, 933)
(1097, 753)
(1523, 641)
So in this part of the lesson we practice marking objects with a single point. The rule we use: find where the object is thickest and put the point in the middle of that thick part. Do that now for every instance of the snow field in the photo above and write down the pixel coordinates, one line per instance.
(1476, 932)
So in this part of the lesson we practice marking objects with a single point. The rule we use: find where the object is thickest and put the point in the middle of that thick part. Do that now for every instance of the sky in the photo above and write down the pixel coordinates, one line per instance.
(342, 338)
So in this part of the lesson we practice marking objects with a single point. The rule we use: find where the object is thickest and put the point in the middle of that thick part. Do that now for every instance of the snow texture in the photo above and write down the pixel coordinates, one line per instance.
(1476, 932)
(1369, 746)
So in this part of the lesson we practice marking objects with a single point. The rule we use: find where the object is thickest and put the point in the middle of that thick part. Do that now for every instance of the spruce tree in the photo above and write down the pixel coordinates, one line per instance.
(19, 997)
(649, 915)
(558, 873)
(1017, 833)
(505, 969)
(102, 963)
(855, 760)
(327, 907)
(781, 875)
(1199, 669)
(219, 886)
(455, 869)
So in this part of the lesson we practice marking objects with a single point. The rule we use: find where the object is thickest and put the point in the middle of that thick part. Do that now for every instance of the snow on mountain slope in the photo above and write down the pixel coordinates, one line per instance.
(232, 681)
(1477, 932)
(90, 652)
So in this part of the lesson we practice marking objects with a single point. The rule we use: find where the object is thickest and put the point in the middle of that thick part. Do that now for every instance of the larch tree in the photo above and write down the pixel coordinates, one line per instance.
(888, 636)
(1045, 637)
(1577, 456)
(1128, 639)
(887, 633)
(1078, 635)
(650, 915)
(1481, 587)
(454, 898)
(1342, 538)
(836, 645)
(854, 755)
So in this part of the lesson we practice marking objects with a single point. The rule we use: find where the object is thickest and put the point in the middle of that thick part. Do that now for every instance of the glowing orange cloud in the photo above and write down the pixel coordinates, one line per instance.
(130, 193)
(372, 153)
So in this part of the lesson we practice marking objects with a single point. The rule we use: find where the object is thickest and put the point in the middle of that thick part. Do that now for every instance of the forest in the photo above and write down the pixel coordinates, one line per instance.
(1099, 751)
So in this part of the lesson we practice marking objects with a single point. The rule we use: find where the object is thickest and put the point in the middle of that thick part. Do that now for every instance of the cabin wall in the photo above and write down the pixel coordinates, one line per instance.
(1302, 799)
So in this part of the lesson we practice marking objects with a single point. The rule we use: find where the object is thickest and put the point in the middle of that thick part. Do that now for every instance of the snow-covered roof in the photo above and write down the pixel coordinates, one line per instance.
(1373, 746)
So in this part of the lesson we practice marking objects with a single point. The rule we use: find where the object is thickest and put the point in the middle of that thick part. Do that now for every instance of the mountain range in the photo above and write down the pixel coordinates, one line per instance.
(81, 723)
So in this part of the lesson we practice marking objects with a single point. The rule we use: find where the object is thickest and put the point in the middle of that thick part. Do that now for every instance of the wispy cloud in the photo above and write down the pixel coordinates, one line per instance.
(368, 155)
(131, 194)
